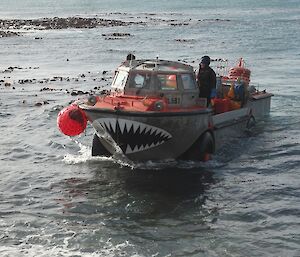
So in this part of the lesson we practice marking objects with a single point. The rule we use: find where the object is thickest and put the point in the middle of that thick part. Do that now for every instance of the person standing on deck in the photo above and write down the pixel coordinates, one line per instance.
(206, 78)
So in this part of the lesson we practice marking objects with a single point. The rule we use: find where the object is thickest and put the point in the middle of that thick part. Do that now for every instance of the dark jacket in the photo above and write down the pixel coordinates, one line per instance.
(206, 80)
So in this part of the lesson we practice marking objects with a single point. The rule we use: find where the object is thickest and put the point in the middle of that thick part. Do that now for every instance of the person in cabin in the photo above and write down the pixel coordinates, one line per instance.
(206, 78)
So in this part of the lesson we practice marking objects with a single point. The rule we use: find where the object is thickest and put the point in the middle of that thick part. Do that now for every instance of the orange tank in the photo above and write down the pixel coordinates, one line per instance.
(221, 105)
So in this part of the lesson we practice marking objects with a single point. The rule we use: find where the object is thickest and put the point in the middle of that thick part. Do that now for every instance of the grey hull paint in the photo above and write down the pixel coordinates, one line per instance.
(159, 136)
(260, 107)
(237, 124)
(149, 137)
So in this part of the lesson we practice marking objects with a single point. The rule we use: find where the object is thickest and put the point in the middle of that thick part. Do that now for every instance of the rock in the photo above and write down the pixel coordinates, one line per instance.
(78, 92)
(116, 34)
(104, 92)
(8, 33)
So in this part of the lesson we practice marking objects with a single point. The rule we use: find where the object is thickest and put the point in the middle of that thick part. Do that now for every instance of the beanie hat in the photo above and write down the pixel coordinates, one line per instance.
(205, 60)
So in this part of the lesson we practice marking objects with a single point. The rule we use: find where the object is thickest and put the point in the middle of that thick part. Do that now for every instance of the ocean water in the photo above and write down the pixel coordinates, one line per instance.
(57, 200)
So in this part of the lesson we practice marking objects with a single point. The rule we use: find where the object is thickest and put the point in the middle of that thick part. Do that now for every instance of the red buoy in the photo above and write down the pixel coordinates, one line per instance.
(71, 120)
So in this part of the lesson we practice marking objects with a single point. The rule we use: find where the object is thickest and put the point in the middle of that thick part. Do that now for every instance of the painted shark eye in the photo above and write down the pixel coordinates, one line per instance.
(158, 106)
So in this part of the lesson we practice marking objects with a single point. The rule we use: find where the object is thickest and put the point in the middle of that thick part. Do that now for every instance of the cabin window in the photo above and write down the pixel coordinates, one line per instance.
(188, 81)
(140, 80)
(120, 79)
(167, 81)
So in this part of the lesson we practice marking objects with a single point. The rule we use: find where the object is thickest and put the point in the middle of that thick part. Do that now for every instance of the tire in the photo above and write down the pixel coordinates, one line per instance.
(202, 149)
(98, 149)
(206, 147)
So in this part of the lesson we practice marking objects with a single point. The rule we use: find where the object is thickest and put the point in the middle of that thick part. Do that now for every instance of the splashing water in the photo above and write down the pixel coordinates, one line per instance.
(84, 155)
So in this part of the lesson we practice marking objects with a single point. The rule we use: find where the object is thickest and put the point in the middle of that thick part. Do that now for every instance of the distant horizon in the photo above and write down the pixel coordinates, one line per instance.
(63, 8)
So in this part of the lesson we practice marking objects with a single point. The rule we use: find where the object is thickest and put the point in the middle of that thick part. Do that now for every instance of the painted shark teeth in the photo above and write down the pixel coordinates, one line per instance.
(121, 123)
(133, 136)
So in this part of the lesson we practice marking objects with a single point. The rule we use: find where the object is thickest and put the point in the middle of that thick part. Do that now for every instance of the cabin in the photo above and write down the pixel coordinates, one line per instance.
(174, 81)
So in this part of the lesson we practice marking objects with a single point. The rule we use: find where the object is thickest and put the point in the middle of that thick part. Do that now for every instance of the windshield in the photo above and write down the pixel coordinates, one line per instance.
(188, 81)
(140, 80)
(120, 79)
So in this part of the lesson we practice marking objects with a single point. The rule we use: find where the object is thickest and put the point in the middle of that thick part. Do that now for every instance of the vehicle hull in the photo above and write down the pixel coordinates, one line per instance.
(151, 136)
(142, 136)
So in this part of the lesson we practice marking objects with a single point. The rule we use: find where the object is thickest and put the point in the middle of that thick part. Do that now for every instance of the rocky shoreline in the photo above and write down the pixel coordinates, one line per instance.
(99, 84)
(87, 23)
(62, 23)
